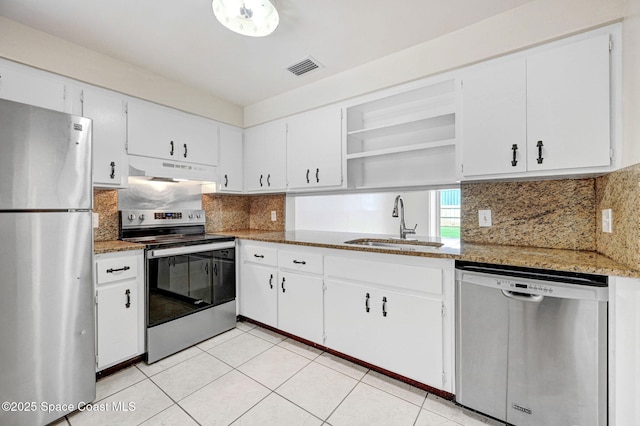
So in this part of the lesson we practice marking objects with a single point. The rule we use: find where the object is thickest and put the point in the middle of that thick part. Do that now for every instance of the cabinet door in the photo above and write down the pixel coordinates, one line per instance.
(568, 106)
(408, 335)
(300, 305)
(32, 87)
(314, 149)
(108, 112)
(198, 140)
(117, 322)
(230, 171)
(349, 319)
(265, 157)
(258, 290)
(494, 118)
(151, 131)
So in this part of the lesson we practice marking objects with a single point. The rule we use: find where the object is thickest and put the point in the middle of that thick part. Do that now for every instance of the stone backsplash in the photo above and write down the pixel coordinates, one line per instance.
(236, 212)
(550, 214)
(105, 203)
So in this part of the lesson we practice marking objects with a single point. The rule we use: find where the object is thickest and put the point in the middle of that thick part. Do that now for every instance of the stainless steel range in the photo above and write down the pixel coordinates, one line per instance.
(190, 278)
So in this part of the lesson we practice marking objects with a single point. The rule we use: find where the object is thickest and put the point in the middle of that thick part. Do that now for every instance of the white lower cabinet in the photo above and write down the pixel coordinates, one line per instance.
(119, 308)
(390, 315)
(395, 312)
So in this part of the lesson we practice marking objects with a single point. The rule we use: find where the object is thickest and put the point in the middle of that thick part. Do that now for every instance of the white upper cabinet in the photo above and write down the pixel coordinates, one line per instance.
(542, 113)
(108, 112)
(265, 161)
(230, 170)
(494, 124)
(314, 149)
(160, 132)
(568, 119)
(29, 86)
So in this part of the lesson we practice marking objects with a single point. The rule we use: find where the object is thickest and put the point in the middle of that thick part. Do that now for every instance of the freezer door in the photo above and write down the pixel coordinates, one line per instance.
(45, 159)
(46, 313)
(557, 362)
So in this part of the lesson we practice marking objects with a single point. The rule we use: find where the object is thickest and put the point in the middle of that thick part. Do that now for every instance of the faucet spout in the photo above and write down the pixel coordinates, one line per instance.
(403, 228)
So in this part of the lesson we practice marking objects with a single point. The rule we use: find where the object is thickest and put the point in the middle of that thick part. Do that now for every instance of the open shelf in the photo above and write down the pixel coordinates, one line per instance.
(434, 118)
(406, 148)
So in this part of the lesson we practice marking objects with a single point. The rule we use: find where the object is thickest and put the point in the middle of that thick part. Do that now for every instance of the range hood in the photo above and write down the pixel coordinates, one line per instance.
(167, 169)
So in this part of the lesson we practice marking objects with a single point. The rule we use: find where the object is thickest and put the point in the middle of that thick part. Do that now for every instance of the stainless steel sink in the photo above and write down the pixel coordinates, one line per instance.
(397, 244)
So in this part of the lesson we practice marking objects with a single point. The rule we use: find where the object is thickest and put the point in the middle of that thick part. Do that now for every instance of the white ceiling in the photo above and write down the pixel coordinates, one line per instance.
(181, 40)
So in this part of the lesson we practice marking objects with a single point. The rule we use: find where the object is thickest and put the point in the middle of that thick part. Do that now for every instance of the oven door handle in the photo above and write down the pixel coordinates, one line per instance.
(196, 248)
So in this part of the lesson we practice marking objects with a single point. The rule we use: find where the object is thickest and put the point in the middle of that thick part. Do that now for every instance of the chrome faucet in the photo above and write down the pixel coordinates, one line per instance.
(403, 228)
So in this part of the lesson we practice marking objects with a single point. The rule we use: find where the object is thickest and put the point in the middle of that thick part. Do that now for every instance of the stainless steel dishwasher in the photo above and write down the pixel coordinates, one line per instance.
(531, 344)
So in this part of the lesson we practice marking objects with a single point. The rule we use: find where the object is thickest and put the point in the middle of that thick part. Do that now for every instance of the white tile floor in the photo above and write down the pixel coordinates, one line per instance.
(252, 376)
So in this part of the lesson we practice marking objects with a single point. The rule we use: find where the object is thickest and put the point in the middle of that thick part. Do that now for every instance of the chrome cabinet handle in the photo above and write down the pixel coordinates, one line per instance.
(317, 175)
(299, 262)
(540, 145)
(514, 148)
(128, 294)
(271, 281)
(113, 170)
(215, 269)
(307, 175)
(171, 152)
(226, 181)
(384, 306)
(124, 268)
(366, 303)
(185, 150)
(282, 285)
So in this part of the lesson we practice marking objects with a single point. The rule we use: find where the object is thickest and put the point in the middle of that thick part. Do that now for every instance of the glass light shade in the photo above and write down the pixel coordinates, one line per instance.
(255, 18)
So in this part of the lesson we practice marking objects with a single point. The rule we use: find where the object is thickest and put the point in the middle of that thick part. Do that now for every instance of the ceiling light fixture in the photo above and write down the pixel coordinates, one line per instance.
(255, 18)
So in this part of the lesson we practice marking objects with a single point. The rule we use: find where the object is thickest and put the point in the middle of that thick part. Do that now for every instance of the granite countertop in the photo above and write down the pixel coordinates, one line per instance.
(112, 246)
(532, 257)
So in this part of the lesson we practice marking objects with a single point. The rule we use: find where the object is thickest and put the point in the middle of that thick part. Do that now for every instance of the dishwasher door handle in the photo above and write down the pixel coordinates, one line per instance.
(523, 297)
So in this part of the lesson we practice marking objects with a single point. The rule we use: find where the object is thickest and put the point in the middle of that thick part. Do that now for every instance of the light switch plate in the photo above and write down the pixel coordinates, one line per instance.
(484, 218)
(273, 215)
(607, 221)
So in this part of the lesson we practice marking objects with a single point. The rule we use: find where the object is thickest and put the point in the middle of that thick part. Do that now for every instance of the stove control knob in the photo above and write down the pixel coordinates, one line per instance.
(131, 216)
(141, 217)
(191, 216)
(199, 215)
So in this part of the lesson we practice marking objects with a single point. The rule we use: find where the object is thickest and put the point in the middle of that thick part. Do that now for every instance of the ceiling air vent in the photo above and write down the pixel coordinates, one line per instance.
(306, 65)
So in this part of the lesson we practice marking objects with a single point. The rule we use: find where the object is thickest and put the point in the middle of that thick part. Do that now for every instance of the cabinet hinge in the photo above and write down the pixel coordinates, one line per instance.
(444, 378)
(82, 96)
(611, 153)
(461, 84)
(126, 108)
(324, 287)
(461, 168)
(610, 45)
(324, 338)
(64, 93)
(97, 360)
(444, 310)
(96, 298)
(341, 115)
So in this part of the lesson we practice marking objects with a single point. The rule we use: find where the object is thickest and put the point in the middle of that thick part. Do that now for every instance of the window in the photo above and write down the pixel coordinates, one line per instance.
(450, 213)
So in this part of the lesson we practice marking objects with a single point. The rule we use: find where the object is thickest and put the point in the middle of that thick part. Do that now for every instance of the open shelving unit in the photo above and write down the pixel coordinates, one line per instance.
(404, 139)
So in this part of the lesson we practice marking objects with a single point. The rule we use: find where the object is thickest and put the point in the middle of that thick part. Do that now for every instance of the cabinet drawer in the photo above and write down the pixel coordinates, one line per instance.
(260, 255)
(408, 277)
(303, 262)
(116, 269)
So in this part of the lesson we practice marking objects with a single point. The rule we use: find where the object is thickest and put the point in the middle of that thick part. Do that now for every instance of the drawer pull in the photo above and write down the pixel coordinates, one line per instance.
(299, 262)
(124, 268)
(271, 281)
(317, 175)
(540, 145)
(366, 303)
(112, 175)
(128, 294)
(282, 285)
(307, 175)
(384, 306)
(514, 148)
(259, 256)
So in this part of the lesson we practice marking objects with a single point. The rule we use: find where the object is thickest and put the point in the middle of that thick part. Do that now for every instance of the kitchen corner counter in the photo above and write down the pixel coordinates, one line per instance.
(113, 246)
(529, 257)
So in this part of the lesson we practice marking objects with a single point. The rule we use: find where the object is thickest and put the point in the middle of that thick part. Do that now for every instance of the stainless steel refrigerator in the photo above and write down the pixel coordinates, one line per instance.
(47, 349)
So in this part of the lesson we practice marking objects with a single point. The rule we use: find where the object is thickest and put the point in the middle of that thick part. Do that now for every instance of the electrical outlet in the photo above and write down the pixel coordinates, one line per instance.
(96, 220)
(607, 221)
(273, 215)
(484, 218)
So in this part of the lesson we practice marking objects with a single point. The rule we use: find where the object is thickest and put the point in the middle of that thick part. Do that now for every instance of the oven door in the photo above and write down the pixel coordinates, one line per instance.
(184, 280)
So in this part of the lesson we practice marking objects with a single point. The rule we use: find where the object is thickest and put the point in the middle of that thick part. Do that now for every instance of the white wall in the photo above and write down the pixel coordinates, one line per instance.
(533, 23)
(40, 50)
(361, 213)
